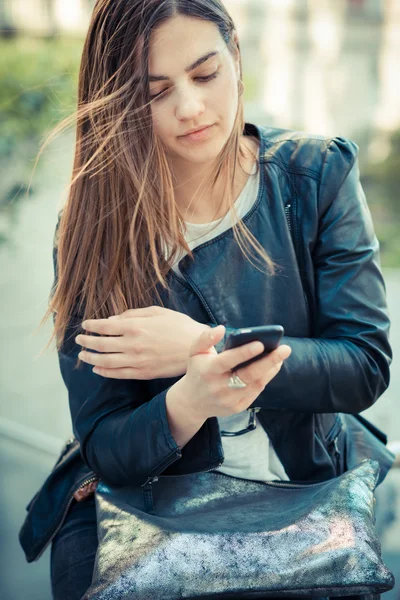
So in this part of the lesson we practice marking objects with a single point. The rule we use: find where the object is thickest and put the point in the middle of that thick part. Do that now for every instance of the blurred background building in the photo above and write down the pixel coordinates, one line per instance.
(323, 66)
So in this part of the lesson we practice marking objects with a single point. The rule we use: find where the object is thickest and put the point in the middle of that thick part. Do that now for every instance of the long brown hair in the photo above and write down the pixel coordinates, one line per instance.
(121, 204)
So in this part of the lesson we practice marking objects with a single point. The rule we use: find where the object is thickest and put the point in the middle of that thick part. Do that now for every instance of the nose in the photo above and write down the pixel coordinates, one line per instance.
(190, 103)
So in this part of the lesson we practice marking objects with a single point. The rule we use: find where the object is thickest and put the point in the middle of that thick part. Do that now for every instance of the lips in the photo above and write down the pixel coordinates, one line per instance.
(195, 130)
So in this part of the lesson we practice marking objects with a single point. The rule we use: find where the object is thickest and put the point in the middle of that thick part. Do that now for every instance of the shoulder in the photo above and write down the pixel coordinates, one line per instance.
(307, 153)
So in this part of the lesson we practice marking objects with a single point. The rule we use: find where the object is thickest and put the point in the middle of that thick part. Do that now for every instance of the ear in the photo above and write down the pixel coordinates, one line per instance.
(235, 40)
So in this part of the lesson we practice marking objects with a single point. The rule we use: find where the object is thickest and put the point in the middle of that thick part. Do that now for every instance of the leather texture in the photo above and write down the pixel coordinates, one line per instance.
(311, 216)
(209, 535)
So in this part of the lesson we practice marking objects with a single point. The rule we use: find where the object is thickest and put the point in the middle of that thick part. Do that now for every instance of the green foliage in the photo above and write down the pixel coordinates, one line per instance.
(38, 87)
(386, 176)
(388, 236)
(251, 85)
(381, 182)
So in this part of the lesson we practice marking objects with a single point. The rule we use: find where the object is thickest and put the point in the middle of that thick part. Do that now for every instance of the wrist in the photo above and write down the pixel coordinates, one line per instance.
(177, 399)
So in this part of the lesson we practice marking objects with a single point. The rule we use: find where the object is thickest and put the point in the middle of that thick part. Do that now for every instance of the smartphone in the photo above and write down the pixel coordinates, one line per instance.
(269, 335)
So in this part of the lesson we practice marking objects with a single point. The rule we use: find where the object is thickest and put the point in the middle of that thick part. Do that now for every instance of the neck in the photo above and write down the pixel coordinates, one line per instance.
(198, 205)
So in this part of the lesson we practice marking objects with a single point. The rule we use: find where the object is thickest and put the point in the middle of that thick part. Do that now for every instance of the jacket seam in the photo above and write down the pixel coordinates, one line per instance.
(289, 169)
(313, 173)
(325, 161)
(164, 425)
(182, 281)
(203, 300)
(292, 170)
(306, 136)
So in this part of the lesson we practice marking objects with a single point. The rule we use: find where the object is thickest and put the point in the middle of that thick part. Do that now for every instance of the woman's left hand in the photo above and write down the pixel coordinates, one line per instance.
(151, 343)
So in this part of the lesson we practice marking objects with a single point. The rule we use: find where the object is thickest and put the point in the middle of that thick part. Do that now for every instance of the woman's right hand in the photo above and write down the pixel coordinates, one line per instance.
(206, 379)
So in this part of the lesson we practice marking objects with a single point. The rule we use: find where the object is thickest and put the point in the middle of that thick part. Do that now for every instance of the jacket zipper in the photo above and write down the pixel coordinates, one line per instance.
(337, 454)
(148, 492)
(60, 524)
(331, 440)
(334, 430)
(288, 218)
(270, 483)
(155, 478)
(161, 467)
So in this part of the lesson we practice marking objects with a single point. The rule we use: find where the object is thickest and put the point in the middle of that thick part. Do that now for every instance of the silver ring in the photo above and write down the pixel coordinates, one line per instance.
(235, 382)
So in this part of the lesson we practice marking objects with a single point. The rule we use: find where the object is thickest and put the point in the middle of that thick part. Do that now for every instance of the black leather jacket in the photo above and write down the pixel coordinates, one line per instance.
(312, 218)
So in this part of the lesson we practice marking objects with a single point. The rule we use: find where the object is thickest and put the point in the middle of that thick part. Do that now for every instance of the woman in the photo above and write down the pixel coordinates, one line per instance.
(154, 391)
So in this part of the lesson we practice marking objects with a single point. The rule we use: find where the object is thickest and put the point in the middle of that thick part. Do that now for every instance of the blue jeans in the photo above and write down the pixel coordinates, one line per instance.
(73, 553)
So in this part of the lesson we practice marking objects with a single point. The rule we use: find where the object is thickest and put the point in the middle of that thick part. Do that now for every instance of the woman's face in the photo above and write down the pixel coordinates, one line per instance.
(206, 94)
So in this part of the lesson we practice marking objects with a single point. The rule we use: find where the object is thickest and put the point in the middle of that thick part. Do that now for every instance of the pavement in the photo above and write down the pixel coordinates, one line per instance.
(23, 470)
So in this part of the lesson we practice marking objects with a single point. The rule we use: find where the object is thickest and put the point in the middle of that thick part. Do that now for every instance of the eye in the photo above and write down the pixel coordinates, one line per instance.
(208, 77)
(201, 79)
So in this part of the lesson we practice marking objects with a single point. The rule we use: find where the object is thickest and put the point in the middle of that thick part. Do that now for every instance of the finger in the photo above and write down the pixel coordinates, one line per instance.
(105, 326)
(101, 344)
(117, 373)
(207, 340)
(229, 359)
(258, 368)
(111, 361)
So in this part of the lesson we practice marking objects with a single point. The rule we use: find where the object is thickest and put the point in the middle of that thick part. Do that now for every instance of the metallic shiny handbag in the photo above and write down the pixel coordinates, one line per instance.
(209, 535)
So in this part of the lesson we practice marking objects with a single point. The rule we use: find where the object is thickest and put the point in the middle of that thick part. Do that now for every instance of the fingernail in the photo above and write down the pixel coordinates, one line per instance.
(212, 333)
(285, 352)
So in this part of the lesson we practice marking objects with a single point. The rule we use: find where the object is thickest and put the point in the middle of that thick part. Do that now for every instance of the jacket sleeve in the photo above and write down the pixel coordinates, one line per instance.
(345, 366)
(123, 433)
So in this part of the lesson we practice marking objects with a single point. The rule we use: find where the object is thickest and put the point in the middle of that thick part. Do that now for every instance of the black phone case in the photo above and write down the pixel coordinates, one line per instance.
(269, 335)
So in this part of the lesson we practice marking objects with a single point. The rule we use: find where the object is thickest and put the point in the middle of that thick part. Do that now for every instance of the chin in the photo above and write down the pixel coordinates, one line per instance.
(202, 153)
(200, 157)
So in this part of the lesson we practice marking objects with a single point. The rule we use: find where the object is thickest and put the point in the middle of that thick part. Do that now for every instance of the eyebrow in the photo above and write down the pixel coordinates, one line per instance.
(191, 67)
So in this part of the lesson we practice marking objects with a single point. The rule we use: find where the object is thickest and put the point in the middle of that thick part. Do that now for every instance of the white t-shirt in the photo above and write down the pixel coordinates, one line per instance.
(251, 455)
